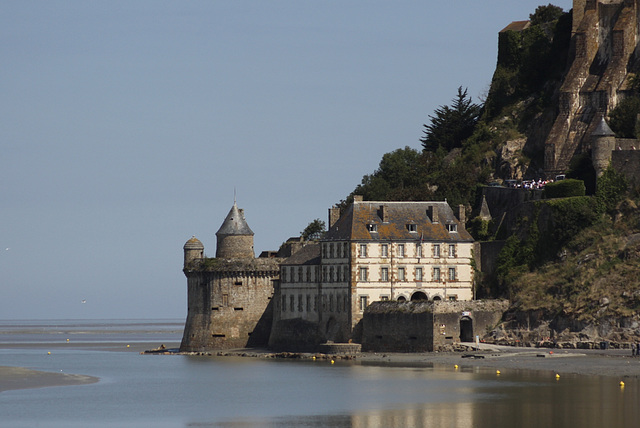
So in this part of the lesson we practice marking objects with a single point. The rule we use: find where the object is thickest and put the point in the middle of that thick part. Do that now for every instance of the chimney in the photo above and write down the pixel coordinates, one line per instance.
(462, 214)
(357, 198)
(334, 215)
(382, 214)
(433, 214)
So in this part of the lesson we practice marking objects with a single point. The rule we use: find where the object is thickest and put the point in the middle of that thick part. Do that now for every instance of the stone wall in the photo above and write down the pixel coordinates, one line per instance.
(427, 326)
(627, 162)
(229, 304)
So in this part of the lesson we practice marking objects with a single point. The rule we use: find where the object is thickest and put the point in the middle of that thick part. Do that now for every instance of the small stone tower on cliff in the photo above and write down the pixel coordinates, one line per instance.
(235, 237)
(193, 250)
(603, 141)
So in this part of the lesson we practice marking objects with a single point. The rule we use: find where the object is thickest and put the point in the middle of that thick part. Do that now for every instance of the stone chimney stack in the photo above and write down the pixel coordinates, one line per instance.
(382, 213)
(462, 214)
(434, 214)
(334, 215)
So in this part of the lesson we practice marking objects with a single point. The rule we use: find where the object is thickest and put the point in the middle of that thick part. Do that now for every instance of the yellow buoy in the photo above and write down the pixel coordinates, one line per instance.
(48, 353)
(332, 362)
(557, 376)
(313, 358)
(455, 367)
(621, 384)
(497, 372)
(67, 340)
(127, 346)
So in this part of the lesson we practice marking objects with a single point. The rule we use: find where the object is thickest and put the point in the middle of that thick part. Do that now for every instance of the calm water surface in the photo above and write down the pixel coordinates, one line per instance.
(182, 391)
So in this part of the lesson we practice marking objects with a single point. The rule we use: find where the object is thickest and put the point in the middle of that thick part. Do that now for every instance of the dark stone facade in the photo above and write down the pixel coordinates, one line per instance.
(427, 326)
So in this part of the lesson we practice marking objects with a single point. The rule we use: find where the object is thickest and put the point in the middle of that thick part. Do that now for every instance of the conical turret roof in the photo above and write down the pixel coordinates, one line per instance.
(235, 223)
(603, 130)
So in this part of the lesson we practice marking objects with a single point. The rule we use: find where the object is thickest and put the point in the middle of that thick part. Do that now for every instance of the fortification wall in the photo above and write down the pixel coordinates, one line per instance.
(229, 304)
(427, 326)
(627, 162)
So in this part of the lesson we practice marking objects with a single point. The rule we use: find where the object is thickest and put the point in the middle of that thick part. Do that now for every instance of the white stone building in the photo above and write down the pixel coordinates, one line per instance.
(376, 251)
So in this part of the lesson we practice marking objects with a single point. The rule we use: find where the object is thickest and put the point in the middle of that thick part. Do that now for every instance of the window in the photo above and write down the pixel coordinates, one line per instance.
(292, 275)
(225, 300)
(418, 250)
(345, 249)
(452, 250)
(308, 274)
(363, 302)
(324, 250)
(331, 250)
(338, 302)
(384, 298)
(384, 274)
(284, 274)
(324, 274)
(331, 274)
(452, 274)
(412, 228)
(363, 250)
(436, 250)
(401, 274)
(300, 275)
(452, 227)
(308, 303)
(299, 302)
(372, 227)
(339, 273)
(418, 274)
(400, 250)
(330, 302)
(363, 274)
(436, 274)
(315, 303)
(292, 303)
(284, 302)
(384, 250)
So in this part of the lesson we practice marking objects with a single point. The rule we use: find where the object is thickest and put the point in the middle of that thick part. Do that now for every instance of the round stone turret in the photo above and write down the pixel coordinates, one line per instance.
(235, 238)
(603, 142)
(193, 250)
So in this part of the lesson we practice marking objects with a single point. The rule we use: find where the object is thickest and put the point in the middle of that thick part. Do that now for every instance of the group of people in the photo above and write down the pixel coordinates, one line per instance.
(635, 349)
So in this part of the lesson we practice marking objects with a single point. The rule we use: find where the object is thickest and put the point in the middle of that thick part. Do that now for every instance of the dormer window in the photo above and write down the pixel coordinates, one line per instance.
(372, 227)
(412, 227)
(452, 227)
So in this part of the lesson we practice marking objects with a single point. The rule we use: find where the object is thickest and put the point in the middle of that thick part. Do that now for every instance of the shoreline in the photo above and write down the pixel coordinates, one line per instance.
(13, 378)
(611, 363)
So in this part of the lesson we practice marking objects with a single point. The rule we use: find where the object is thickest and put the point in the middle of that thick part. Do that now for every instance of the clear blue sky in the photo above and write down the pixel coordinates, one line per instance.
(126, 125)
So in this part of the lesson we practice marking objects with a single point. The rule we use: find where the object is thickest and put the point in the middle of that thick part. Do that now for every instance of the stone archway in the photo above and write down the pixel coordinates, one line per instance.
(466, 329)
(419, 296)
(401, 299)
(436, 298)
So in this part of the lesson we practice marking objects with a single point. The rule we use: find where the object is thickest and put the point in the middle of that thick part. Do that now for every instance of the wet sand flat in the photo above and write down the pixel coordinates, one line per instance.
(23, 378)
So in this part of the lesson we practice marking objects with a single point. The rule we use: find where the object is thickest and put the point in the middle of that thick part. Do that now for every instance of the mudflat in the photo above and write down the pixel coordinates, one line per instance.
(23, 378)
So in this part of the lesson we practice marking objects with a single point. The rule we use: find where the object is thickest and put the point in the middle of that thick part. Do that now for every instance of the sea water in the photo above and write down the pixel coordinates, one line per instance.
(195, 391)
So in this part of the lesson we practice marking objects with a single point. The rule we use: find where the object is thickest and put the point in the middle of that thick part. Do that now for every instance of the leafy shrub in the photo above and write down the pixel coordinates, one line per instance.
(565, 189)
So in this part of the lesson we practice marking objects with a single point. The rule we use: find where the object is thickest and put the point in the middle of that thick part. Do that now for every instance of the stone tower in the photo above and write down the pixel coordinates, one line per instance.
(235, 237)
(193, 250)
(603, 142)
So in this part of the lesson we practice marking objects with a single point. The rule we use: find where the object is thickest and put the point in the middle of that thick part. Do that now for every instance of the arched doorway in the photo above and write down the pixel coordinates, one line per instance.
(402, 299)
(437, 298)
(418, 296)
(466, 329)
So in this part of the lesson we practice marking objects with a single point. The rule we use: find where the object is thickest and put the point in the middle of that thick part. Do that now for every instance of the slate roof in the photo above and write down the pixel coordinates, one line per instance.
(307, 255)
(235, 223)
(354, 222)
(602, 129)
(516, 26)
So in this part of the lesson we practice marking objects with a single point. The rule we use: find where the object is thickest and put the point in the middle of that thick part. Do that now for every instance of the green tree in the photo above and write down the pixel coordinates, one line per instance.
(314, 230)
(623, 118)
(451, 125)
(545, 14)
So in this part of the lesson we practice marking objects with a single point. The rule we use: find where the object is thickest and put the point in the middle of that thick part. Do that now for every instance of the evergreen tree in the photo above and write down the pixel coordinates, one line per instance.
(450, 126)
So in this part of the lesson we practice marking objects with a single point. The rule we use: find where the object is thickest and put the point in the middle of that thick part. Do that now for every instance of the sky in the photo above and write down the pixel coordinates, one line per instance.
(126, 127)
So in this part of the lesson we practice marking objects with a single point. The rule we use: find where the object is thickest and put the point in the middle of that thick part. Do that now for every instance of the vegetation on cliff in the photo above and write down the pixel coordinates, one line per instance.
(577, 253)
